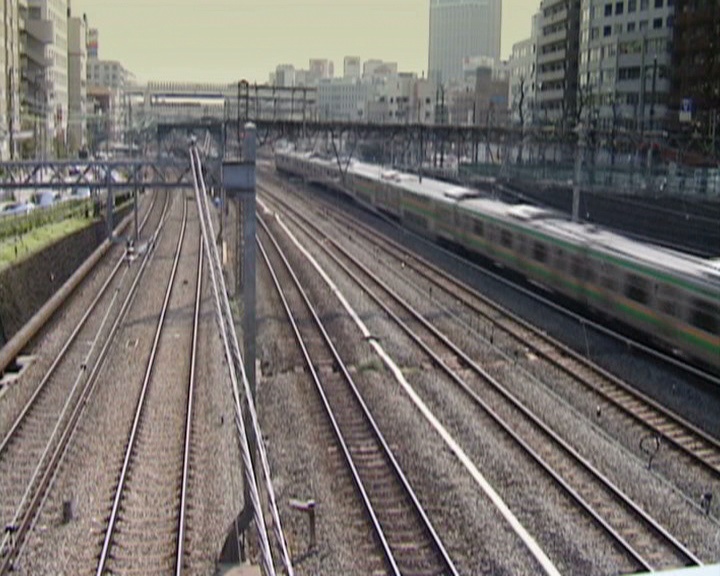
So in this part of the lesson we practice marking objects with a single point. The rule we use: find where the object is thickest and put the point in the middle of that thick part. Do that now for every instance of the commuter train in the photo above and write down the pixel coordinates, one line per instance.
(672, 297)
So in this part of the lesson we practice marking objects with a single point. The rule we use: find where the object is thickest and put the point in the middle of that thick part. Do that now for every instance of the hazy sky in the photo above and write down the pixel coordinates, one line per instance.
(228, 40)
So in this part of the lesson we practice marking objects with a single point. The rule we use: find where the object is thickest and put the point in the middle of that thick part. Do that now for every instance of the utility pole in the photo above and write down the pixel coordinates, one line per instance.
(652, 117)
(579, 157)
(641, 116)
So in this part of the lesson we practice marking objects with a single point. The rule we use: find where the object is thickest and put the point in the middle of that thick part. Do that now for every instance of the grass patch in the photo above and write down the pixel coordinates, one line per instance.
(17, 248)
(370, 365)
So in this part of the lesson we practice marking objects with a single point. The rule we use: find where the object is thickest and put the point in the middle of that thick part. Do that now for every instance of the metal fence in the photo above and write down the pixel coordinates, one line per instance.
(628, 178)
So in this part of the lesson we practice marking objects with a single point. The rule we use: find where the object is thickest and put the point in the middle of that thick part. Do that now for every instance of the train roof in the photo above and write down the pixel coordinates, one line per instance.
(545, 221)
(559, 226)
(412, 183)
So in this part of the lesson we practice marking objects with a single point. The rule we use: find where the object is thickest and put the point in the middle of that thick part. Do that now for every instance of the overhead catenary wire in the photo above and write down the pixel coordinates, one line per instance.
(235, 362)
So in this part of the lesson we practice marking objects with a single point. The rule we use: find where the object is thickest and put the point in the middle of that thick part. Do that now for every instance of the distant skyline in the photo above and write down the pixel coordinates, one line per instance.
(228, 40)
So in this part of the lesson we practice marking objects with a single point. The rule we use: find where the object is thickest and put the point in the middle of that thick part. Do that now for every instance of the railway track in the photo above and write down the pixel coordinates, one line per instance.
(408, 541)
(647, 543)
(610, 391)
(35, 443)
(145, 530)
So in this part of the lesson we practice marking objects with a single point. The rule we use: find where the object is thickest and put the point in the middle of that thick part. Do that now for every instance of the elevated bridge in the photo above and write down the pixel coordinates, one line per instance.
(169, 173)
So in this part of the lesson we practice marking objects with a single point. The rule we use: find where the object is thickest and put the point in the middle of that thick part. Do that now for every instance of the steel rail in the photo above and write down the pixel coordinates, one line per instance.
(102, 561)
(19, 341)
(23, 520)
(395, 466)
(466, 360)
(681, 433)
(63, 351)
(188, 420)
(234, 357)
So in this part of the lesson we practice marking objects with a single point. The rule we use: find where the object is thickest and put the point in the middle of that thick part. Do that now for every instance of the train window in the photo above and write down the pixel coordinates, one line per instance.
(478, 228)
(560, 259)
(636, 288)
(506, 238)
(705, 316)
(415, 220)
(539, 252)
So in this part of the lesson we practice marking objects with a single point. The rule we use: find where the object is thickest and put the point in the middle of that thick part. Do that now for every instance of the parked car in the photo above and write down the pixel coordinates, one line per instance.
(17, 208)
(44, 198)
(81, 193)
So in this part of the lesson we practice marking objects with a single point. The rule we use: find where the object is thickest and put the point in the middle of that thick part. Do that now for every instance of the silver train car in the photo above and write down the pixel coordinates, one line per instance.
(672, 297)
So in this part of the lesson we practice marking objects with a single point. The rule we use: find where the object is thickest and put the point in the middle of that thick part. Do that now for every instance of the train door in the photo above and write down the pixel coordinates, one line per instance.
(667, 301)
(580, 265)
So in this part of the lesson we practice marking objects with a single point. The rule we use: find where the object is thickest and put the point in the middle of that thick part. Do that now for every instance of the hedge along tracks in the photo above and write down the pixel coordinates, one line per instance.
(609, 390)
(146, 524)
(645, 542)
(12, 349)
(406, 538)
(31, 455)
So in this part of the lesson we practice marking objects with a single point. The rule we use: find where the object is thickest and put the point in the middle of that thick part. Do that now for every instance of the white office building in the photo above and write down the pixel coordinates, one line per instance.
(108, 74)
(351, 67)
(342, 99)
(10, 81)
(284, 76)
(378, 70)
(54, 12)
(460, 29)
(77, 84)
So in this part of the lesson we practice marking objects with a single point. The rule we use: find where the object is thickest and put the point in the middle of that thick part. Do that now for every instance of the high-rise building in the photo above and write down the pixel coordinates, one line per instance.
(54, 12)
(624, 77)
(35, 35)
(284, 76)
(377, 70)
(9, 83)
(77, 83)
(557, 62)
(460, 29)
(351, 67)
(320, 69)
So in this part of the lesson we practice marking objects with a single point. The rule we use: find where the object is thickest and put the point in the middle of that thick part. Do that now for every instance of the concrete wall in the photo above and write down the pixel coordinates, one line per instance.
(27, 285)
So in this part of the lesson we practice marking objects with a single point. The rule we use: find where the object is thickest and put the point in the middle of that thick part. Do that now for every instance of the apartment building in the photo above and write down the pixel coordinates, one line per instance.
(625, 63)
(557, 63)
(77, 84)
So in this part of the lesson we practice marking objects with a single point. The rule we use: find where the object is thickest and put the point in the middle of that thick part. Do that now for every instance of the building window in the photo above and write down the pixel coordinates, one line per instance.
(643, 25)
(644, 4)
(608, 9)
(670, 21)
(657, 23)
(632, 6)
(607, 31)
(631, 27)
(658, 3)
(619, 7)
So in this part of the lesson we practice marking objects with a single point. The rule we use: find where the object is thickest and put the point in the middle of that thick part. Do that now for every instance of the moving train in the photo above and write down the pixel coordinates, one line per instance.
(672, 297)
